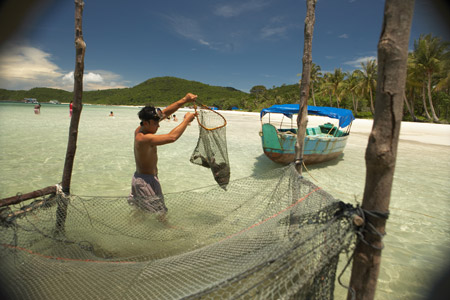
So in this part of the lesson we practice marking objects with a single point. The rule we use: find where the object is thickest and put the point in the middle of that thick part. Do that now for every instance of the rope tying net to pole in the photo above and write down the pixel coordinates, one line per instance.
(361, 231)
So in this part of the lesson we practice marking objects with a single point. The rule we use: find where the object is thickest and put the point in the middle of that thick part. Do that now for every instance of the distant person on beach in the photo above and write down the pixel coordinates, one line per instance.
(70, 108)
(146, 192)
(37, 109)
(175, 118)
(111, 114)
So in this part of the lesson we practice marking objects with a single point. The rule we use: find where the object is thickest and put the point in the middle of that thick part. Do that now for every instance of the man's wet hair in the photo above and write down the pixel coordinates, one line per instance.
(148, 113)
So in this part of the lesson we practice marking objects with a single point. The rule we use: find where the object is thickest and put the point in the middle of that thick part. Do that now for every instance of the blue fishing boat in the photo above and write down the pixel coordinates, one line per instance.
(322, 143)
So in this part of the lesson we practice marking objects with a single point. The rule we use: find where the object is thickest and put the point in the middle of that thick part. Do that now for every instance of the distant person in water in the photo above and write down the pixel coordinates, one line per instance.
(37, 109)
(146, 192)
(70, 108)
(111, 114)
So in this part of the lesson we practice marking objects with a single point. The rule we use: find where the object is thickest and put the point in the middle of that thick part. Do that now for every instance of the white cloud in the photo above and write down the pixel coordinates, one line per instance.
(185, 27)
(233, 10)
(356, 63)
(191, 29)
(276, 28)
(96, 80)
(24, 67)
(343, 36)
(92, 77)
(268, 31)
(188, 28)
(201, 41)
(68, 77)
(27, 66)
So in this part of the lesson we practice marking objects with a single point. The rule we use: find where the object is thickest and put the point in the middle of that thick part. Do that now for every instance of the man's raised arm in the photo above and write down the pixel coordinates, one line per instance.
(169, 110)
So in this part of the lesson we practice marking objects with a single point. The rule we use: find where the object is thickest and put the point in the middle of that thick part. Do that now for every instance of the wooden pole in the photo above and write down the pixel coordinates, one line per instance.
(19, 198)
(80, 48)
(381, 152)
(302, 118)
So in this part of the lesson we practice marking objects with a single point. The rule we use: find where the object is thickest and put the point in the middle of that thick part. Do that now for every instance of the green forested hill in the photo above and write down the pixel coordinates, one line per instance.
(163, 90)
(158, 91)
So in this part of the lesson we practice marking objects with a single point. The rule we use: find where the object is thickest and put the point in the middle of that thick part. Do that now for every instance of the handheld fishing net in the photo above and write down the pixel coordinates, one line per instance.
(211, 150)
(274, 236)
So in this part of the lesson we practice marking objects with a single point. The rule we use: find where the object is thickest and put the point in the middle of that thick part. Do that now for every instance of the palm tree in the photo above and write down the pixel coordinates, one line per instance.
(369, 80)
(412, 84)
(326, 87)
(351, 85)
(443, 85)
(415, 81)
(444, 81)
(315, 77)
(336, 80)
(429, 52)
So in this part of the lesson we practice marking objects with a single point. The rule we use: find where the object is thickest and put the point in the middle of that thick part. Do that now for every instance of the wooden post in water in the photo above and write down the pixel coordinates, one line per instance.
(23, 197)
(381, 152)
(302, 118)
(80, 48)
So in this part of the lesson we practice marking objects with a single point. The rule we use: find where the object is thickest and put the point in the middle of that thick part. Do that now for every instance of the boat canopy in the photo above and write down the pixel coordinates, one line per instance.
(345, 116)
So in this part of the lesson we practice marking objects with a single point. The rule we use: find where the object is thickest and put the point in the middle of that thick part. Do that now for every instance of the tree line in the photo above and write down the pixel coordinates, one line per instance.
(427, 93)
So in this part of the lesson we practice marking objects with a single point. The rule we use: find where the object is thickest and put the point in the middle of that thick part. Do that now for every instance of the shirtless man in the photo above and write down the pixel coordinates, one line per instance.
(146, 190)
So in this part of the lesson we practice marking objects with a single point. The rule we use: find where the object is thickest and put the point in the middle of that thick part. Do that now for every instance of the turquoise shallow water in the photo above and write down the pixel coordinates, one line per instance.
(417, 243)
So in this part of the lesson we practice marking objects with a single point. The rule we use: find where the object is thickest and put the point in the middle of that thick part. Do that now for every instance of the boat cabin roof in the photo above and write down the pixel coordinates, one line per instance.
(345, 116)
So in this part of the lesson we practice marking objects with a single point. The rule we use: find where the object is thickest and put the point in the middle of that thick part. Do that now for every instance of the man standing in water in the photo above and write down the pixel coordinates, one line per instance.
(146, 190)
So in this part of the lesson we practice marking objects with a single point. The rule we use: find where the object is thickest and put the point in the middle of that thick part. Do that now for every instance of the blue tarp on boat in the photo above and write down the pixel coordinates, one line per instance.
(345, 116)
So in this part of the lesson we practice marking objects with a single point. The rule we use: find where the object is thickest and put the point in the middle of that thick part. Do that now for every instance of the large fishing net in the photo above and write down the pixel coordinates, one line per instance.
(273, 236)
(211, 150)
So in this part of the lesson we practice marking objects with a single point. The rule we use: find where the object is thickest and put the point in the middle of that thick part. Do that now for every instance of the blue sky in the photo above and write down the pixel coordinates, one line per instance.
(238, 43)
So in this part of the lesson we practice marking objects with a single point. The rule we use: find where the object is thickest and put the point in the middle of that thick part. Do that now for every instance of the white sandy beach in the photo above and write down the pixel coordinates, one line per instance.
(436, 134)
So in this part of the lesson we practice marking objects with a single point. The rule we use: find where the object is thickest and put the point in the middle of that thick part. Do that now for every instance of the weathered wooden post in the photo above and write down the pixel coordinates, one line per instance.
(381, 152)
(302, 118)
(80, 48)
(304, 91)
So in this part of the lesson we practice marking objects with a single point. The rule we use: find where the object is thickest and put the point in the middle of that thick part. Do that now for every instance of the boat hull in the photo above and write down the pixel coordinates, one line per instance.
(280, 147)
(308, 159)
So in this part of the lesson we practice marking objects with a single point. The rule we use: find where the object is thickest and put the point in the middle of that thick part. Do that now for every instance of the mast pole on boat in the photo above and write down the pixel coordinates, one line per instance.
(80, 49)
(302, 118)
(381, 152)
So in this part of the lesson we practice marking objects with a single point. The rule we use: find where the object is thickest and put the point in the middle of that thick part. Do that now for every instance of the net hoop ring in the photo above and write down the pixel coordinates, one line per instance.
(207, 108)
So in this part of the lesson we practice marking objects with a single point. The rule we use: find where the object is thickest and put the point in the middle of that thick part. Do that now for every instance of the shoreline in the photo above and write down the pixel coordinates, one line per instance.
(427, 133)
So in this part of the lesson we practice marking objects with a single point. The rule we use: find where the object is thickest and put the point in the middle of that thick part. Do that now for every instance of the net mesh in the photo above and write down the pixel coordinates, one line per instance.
(211, 150)
(274, 236)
